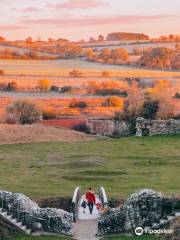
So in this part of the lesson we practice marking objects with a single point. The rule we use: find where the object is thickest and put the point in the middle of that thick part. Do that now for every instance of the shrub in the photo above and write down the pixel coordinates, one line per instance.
(158, 58)
(78, 104)
(106, 74)
(149, 109)
(3, 86)
(113, 102)
(82, 128)
(75, 73)
(107, 88)
(12, 86)
(105, 92)
(66, 89)
(49, 114)
(119, 53)
(54, 88)
(177, 117)
(177, 95)
(44, 85)
(137, 51)
(1, 72)
(175, 226)
(24, 112)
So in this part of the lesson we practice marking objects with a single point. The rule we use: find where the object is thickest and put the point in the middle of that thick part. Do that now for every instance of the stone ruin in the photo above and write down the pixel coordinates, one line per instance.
(108, 127)
(142, 209)
(38, 219)
(146, 127)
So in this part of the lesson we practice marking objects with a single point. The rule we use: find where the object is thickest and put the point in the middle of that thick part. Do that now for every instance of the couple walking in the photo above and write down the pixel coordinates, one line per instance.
(91, 200)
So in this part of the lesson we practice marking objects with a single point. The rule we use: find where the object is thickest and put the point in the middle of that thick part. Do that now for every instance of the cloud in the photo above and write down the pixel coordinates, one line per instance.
(28, 9)
(78, 4)
(11, 27)
(91, 21)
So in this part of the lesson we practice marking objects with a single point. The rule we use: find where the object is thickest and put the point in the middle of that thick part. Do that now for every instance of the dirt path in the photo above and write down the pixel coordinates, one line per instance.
(85, 230)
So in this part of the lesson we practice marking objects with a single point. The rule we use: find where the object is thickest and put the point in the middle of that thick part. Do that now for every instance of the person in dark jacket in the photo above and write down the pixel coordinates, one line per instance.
(83, 205)
(90, 196)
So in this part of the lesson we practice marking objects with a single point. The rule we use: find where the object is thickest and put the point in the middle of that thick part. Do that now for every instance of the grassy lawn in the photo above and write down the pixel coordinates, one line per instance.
(134, 238)
(24, 237)
(120, 165)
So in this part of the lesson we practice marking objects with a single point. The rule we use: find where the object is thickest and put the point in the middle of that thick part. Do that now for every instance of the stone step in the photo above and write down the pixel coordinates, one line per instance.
(14, 221)
(155, 225)
(162, 221)
(177, 214)
(170, 218)
(28, 231)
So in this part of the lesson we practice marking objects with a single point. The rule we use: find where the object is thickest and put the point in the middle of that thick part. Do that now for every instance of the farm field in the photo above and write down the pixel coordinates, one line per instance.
(122, 166)
(60, 105)
(130, 47)
(24, 50)
(30, 82)
(63, 67)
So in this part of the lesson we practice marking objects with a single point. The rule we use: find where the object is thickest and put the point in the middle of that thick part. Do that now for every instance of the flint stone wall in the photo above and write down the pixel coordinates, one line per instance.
(142, 209)
(108, 127)
(146, 127)
(46, 219)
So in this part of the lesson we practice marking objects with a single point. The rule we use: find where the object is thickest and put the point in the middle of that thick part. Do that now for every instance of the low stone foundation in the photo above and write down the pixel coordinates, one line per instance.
(146, 127)
(108, 127)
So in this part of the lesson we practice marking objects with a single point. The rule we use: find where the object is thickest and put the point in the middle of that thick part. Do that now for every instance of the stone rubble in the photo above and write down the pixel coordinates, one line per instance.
(45, 219)
(142, 209)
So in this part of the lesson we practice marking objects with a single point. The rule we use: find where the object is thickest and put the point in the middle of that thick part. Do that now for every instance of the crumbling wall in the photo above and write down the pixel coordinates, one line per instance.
(108, 127)
(143, 208)
(146, 127)
(46, 219)
(101, 126)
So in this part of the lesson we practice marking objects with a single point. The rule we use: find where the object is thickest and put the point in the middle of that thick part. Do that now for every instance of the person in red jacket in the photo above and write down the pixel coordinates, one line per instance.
(90, 196)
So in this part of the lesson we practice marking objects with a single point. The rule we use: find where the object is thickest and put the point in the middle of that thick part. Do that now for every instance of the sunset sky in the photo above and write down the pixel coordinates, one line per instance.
(77, 19)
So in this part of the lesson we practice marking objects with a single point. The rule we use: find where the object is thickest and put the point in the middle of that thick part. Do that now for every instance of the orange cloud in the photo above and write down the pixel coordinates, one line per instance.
(78, 4)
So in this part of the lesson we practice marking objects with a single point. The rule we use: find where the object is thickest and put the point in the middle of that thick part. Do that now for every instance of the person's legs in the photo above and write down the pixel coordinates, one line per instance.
(91, 207)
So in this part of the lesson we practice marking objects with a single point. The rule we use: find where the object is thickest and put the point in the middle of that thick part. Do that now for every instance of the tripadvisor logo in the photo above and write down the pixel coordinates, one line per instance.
(139, 231)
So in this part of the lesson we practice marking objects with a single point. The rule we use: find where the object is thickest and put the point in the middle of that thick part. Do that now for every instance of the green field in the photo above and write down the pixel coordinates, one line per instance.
(19, 237)
(122, 166)
(24, 237)
(145, 237)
